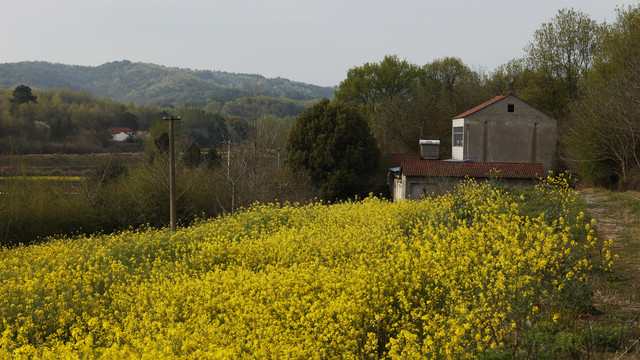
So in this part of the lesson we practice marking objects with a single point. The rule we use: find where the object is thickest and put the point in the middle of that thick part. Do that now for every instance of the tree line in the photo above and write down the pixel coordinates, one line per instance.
(244, 166)
(65, 121)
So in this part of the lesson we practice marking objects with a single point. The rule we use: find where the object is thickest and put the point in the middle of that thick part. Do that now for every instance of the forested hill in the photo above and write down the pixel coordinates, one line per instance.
(150, 84)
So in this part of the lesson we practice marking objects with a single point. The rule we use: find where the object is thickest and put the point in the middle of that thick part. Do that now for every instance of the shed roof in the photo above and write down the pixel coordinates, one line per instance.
(429, 168)
(480, 107)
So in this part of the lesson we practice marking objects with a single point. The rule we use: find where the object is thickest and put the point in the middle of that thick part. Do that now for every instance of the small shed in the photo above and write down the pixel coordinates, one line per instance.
(416, 179)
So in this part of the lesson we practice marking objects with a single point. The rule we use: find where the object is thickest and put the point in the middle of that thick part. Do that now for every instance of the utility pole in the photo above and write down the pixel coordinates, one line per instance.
(172, 173)
(278, 157)
(229, 159)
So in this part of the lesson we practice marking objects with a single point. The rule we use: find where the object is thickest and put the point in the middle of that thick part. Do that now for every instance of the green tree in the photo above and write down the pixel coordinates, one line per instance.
(161, 143)
(387, 93)
(506, 78)
(22, 94)
(603, 139)
(404, 102)
(128, 119)
(368, 84)
(332, 143)
(448, 88)
(239, 129)
(192, 156)
(558, 58)
(446, 72)
(208, 129)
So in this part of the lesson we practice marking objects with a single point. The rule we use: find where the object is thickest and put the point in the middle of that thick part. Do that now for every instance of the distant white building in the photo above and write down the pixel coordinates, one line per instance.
(120, 133)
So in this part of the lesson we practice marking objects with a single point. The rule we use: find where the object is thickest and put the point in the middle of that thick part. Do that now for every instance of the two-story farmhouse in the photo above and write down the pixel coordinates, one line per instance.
(505, 129)
(504, 137)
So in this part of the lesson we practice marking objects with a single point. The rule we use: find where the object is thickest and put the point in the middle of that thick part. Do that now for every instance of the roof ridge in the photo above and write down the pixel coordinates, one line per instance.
(481, 106)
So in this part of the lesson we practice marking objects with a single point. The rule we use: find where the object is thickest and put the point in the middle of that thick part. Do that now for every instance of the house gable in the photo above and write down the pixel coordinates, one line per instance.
(480, 107)
(505, 105)
(505, 129)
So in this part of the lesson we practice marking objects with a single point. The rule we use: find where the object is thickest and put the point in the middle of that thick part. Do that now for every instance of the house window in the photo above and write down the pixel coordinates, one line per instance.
(510, 107)
(457, 135)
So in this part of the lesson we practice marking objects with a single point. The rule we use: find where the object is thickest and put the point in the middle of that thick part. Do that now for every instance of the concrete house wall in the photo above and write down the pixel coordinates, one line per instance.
(120, 137)
(508, 130)
(415, 188)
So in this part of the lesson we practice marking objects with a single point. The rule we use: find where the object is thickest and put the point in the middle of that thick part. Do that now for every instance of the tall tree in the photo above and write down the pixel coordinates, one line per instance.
(449, 88)
(558, 57)
(405, 102)
(506, 78)
(331, 142)
(385, 91)
(603, 140)
(22, 94)
(369, 84)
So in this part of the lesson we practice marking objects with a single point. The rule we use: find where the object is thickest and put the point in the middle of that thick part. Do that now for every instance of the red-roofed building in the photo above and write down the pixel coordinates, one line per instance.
(433, 168)
(120, 133)
(416, 179)
(502, 138)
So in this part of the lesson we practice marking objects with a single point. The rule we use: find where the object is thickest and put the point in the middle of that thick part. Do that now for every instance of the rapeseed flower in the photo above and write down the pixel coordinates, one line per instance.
(446, 277)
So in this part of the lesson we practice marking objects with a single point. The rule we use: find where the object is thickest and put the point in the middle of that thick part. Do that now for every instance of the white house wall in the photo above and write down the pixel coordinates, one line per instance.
(457, 152)
(120, 137)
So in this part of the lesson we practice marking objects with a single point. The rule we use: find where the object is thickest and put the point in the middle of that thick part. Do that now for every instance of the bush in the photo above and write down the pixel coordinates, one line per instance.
(33, 208)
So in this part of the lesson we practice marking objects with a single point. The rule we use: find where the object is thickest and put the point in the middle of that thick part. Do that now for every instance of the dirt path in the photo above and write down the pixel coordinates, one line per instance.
(617, 294)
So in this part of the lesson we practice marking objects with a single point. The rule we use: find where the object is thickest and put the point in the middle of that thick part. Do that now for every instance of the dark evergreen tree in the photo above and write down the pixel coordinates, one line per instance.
(22, 94)
(332, 142)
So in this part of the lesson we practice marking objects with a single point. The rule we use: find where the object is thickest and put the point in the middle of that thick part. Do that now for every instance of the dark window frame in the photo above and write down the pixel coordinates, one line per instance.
(458, 137)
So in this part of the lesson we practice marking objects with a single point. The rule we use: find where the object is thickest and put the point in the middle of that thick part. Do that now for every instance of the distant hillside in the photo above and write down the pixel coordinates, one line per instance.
(150, 84)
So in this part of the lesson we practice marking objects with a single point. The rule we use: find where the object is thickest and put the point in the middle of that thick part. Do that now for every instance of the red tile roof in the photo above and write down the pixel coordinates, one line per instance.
(117, 130)
(398, 159)
(472, 169)
(480, 107)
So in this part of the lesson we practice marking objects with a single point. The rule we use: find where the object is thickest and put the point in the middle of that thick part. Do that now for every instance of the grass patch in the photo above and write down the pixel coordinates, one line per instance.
(43, 178)
(616, 293)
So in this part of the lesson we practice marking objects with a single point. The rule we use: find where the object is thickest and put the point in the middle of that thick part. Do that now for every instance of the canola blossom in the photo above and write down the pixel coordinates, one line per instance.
(448, 277)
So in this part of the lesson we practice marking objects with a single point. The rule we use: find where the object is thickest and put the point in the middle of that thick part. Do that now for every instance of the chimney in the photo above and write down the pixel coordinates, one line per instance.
(430, 149)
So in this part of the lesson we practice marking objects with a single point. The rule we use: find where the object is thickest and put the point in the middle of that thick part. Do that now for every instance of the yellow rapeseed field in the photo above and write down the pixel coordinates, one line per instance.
(448, 277)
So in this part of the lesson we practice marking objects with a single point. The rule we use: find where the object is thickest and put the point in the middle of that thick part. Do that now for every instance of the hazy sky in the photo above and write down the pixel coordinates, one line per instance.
(311, 41)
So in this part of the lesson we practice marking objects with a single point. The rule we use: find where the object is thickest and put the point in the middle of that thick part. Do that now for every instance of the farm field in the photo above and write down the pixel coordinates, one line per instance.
(60, 164)
(479, 273)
